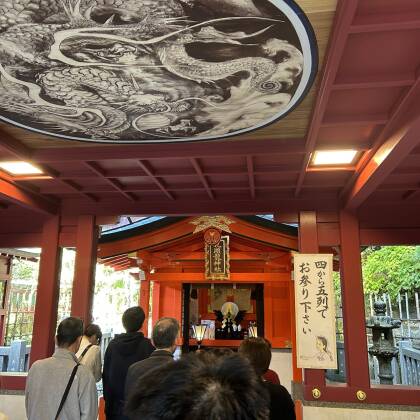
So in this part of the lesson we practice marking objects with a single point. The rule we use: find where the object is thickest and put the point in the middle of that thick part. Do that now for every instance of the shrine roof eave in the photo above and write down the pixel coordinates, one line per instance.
(168, 221)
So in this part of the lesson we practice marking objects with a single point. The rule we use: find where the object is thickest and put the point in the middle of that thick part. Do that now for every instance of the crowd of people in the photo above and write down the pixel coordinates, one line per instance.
(141, 379)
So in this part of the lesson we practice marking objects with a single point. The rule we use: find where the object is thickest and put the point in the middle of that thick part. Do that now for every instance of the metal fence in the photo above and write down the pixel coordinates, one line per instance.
(15, 357)
(406, 366)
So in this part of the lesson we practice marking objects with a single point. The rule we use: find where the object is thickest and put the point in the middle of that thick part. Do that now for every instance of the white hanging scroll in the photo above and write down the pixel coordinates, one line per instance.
(315, 311)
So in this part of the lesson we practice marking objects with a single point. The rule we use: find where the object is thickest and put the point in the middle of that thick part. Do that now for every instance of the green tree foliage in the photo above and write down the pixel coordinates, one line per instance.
(391, 269)
(337, 287)
(23, 270)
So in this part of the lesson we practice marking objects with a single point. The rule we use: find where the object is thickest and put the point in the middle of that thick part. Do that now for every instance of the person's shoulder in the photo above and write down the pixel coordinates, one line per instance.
(84, 373)
(137, 365)
(147, 342)
(86, 379)
(39, 364)
(114, 342)
(276, 389)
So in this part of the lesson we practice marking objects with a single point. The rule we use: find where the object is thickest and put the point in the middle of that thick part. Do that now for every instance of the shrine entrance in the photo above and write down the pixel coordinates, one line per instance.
(189, 277)
(231, 312)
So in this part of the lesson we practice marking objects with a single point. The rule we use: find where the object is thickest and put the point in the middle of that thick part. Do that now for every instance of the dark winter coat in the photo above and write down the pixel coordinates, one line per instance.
(281, 403)
(122, 352)
(157, 359)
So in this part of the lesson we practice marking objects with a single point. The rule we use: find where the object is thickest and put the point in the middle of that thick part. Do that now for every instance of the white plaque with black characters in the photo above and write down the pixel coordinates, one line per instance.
(315, 311)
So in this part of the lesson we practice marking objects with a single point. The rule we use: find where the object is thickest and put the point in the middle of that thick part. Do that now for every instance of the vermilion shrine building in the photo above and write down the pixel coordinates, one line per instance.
(365, 99)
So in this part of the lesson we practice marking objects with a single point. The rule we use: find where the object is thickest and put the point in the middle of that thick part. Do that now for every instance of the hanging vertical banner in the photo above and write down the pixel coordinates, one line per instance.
(315, 311)
(217, 260)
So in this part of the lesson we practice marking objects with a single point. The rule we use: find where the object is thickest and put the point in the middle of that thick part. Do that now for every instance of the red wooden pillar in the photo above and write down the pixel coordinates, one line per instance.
(353, 302)
(5, 280)
(144, 302)
(84, 271)
(156, 302)
(45, 318)
(308, 244)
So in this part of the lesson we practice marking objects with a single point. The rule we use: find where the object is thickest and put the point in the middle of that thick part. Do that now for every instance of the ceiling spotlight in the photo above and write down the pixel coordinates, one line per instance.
(333, 157)
(20, 168)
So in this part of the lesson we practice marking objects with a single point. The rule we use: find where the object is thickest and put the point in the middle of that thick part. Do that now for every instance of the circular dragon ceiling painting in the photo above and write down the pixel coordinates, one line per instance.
(142, 71)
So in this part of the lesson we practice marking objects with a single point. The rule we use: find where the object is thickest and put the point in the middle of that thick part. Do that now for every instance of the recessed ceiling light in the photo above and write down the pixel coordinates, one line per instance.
(20, 168)
(333, 157)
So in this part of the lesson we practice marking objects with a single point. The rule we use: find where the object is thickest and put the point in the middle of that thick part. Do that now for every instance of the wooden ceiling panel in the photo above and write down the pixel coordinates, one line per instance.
(281, 180)
(356, 102)
(381, 53)
(337, 178)
(369, 8)
(353, 136)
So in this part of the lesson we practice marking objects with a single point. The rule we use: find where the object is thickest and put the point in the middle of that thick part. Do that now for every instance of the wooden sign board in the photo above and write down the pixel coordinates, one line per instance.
(315, 311)
(217, 260)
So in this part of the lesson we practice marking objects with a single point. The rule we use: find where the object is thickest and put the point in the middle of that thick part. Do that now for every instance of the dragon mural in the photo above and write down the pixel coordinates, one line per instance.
(149, 70)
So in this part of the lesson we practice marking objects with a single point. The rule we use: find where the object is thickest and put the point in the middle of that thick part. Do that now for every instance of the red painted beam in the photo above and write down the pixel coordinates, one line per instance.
(13, 193)
(20, 240)
(21, 152)
(404, 113)
(321, 201)
(13, 383)
(147, 168)
(383, 395)
(95, 167)
(229, 186)
(378, 81)
(350, 120)
(168, 173)
(394, 236)
(203, 179)
(173, 151)
(144, 302)
(403, 25)
(84, 271)
(112, 260)
(386, 159)
(251, 175)
(345, 13)
(14, 147)
(45, 318)
(78, 189)
(183, 172)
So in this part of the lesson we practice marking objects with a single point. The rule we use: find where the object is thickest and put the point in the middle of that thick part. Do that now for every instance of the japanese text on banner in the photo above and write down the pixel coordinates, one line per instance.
(315, 311)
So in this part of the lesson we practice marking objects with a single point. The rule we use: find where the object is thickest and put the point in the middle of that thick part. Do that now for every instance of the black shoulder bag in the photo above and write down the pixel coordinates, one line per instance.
(67, 390)
(84, 352)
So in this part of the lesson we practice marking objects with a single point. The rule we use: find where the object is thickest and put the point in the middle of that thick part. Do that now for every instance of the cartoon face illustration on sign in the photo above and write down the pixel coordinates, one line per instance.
(323, 353)
(139, 71)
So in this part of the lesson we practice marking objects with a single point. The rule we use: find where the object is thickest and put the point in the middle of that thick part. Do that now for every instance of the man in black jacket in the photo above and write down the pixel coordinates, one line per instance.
(122, 352)
(258, 352)
(164, 336)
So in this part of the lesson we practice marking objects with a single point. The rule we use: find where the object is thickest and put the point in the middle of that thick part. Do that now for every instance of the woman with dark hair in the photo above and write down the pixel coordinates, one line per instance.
(258, 352)
(270, 375)
(89, 353)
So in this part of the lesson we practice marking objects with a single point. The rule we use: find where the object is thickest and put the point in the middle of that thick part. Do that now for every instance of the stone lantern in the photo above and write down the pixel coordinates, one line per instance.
(383, 341)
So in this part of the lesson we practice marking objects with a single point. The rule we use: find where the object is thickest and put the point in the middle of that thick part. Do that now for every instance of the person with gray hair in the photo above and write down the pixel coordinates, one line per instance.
(164, 335)
(58, 387)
